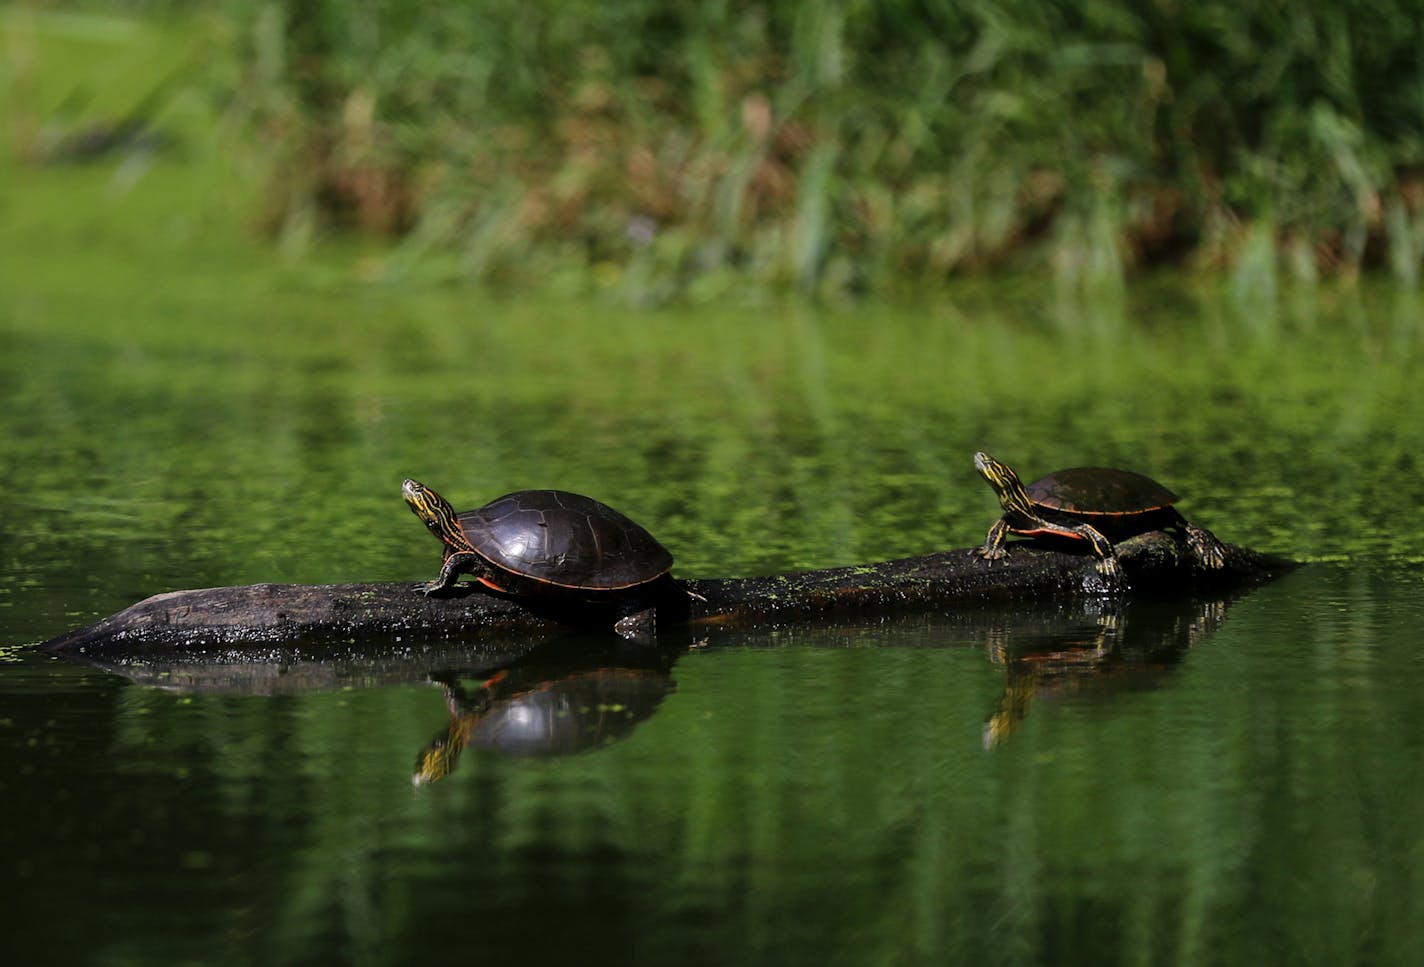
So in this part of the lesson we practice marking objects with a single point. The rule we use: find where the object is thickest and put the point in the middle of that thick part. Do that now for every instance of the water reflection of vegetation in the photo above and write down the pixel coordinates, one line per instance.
(749, 445)
(839, 789)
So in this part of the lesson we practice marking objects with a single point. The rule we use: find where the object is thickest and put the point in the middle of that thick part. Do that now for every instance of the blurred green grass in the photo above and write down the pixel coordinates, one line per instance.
(830, 147)
(841, 146)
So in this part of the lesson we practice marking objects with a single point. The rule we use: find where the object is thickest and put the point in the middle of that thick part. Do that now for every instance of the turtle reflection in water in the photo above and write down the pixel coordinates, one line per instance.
(548, 542)
(1099, 505)
(1088, 654)
(521, 712)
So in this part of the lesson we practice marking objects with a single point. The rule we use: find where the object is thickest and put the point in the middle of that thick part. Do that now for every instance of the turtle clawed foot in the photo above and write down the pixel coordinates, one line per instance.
(1111, 570)
(1206, 547)
(990, 554)
(1213, 557)
(428, 588)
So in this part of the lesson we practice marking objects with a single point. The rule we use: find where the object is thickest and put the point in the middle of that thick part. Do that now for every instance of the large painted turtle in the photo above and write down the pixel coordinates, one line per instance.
(534, 541)
(1096, 504)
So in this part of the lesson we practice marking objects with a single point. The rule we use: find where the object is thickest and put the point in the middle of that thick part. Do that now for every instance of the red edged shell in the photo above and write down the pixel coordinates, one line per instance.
(1089, 491)
(565, 539)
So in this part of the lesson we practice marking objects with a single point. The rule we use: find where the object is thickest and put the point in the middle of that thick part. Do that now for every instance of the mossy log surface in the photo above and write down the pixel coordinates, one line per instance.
(287, 623)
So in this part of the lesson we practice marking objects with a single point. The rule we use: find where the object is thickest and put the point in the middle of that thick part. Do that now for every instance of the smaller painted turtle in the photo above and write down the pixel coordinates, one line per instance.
(537, 541)
(1096, 504)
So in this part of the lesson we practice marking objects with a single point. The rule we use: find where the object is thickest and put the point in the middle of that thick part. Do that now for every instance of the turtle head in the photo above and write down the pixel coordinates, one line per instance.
(1006, 484)
(435, 511)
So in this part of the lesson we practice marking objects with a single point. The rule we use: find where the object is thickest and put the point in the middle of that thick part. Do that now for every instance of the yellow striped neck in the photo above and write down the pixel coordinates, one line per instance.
(1010, 490)
(436, 513)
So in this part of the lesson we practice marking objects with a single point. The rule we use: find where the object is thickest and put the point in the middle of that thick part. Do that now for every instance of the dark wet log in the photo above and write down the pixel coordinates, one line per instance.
(275, 623)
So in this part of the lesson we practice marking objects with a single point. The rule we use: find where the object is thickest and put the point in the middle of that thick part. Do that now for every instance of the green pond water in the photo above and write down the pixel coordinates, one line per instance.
(1194, 781)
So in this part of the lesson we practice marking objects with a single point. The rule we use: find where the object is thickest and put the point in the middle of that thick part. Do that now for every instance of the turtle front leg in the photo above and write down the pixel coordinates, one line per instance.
(1108, 564)
(993, 549)
(455, 563)
(1110, 568)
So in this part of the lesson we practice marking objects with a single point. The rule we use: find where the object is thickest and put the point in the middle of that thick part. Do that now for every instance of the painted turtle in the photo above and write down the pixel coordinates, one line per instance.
(1095, 504)
(533, 541)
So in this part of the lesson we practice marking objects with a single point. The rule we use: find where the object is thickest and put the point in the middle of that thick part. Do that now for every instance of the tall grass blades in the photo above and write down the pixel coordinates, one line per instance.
(844, 145)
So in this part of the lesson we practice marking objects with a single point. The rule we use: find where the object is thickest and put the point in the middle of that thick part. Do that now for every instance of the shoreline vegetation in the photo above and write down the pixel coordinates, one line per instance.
(840, 147)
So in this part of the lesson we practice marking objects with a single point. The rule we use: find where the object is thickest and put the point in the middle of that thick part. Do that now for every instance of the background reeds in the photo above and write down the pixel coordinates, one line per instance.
(835, 146)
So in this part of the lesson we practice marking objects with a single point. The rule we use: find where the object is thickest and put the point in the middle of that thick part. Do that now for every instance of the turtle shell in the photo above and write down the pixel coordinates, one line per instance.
(1100, 491)
(564, 539)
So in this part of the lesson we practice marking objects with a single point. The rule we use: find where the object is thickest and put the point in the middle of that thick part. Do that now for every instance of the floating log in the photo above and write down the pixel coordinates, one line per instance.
(283, 624)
